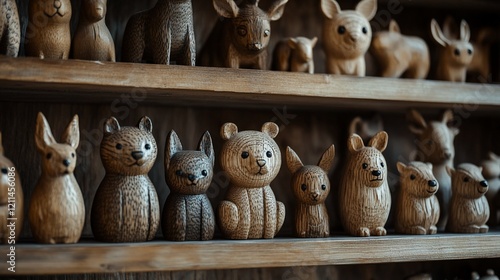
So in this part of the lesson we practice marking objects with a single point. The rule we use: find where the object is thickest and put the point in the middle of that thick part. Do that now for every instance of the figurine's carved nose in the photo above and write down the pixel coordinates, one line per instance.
(57, 4)
(432, 183)
(376, 173)
(191, 177)
(255, 46)
(483, 183)
(261, 162)
(66, 162)
(137, 155)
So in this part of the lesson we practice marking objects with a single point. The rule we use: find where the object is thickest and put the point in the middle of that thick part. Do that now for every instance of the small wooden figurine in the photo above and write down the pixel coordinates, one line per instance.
(455, 56)
(126, 207)
(399, 55)
(57, 209)
(365, 198)
(469, 210)
(251, 160)
(48, 34)
(161, 35)
(490, 275)
(366, 128)
(491, 172)
(417, 209)
(294, 54)
(435, 145)
(11, 200)
(311, 186)
(92, 40)
(347, 36)
(10, 28)
(188, 214)
(241, 39)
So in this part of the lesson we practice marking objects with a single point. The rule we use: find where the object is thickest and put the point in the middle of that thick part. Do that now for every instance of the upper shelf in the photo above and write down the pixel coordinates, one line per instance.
(32, 79)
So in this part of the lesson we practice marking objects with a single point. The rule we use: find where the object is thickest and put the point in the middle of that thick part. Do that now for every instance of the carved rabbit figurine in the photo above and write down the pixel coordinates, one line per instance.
(311, 186)
(48, 34)
(365, 198)
(241, 39)
(347, 36)
(294, 54)
(455, 56)
(161, 35)
(188, 214)
(57, 210)
(10, 28)
(417, 209)
(491, 172)
(92, 40)
(126, 207)
(366, 128)
(469, 210)
(11, 200)
(251, 160)
(399, 55)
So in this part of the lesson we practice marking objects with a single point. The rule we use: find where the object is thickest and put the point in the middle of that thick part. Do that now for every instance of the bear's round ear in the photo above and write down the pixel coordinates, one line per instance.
(270, 129)
(228, 130)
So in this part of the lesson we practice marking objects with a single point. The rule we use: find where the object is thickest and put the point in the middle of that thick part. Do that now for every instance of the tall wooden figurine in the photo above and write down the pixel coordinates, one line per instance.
(365, 198)
(57, 210)
(491, 172)
(310, 185)
(10, 28)
(126, 207)
(251, 160)
(294, 54)
(188, 214)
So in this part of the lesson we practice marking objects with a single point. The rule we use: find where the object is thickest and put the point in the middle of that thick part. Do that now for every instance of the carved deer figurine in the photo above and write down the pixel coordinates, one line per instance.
(241, 39)
(491, 172)
(294, 54)
(10, 28)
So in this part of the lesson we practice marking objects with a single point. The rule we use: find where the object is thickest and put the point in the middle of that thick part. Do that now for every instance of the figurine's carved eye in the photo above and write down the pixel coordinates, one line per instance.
(119, 146)
(341, 29)
(365, 165)
(364, 30)
(49, 155)
(245, 154)
(179, 172)
(204, 173)
(469, 51)
(73, 155)
(269, 154)
(412, 177)
(242, 30)
(4, 170)
(457, 52)
(147, 146)
(466, 179)
(267, 32)
(382, 164)
(303, 187)
(323, 187)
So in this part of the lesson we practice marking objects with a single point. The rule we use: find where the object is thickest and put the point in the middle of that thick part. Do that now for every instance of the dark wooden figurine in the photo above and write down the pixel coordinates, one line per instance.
(294, 54)
(491, 172)
(10, 28)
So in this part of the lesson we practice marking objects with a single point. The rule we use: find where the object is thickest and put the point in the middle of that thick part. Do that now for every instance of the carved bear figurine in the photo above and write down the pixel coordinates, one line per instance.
(10, 28)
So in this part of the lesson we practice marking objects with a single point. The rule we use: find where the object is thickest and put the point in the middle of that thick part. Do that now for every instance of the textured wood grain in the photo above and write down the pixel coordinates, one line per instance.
(10, 28)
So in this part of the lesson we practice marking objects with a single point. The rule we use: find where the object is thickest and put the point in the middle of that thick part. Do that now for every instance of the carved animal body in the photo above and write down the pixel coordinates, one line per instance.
(161, 35)
(92, 40)
(125, 207)
(10, 28)
(294, 54)
(491, 172)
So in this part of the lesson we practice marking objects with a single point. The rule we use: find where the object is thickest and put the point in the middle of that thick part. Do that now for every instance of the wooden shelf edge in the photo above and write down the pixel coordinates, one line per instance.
(91, 257)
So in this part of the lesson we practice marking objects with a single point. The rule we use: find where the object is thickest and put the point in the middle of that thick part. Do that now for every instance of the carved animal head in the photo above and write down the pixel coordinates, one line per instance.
(387, 40)
(434, 138)
(491, 166)
(189, 172)
(54, 11)
(251, 159)
(456, 53)
(128, 150)
(366, 128)
(367, 162)
(57, 158)
(467, 181)
(250, 26)
(94, 10)
(6, 172)
(310, 183)
(417, 179)
(348, 34)
(303, 48)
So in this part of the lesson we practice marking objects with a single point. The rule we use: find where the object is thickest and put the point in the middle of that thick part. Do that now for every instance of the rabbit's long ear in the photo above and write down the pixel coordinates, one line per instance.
(207, 147)
(326, 160)
(330, 8)
(71, 135)
(293, 161)
(43, 135)
(417, 122)
(172, 146)
(438, 35)
(1, 144)
(226, 8)
(464, 31)
(368, 8)
(379, 141)
(448, 119)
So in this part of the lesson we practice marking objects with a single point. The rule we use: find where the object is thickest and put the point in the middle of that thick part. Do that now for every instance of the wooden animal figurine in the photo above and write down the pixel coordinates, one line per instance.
(347, 36)
(10, 28)
(491, 172)
(241, 39)
(188, 214)
(417, 210)
(126, 207)
(251, 160)
(469, 210)
(92, 40)
(48, 34)
(434, 141)
(294, 54)
(161, 35)
(455, 56)
(400, 55)
(57, 209)
(490, 275)
(365, 198)
(366, 128)
(11, 200)
(311, 186)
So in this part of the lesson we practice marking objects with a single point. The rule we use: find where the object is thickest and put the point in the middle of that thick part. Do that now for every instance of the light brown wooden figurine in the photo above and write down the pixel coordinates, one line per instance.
(417, 210)
(11, 200)
(294, 54)
(57, 210)
(365, 198)
(241, 39)
(347, 36)
(10, 28)
(469, 210)
(491, 172)
(490, 275)
(251, 160)
(311, 186)
(126, 207)
(399, 55)
(366, 128)
(455, 56)
(92, 40)
(48, 34)
(161, 35)
(188, 214)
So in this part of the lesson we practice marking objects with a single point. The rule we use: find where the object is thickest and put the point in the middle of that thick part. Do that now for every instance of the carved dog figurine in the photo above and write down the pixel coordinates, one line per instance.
(491, 172)
(188, 214)
(294, 54)
(10, 28)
